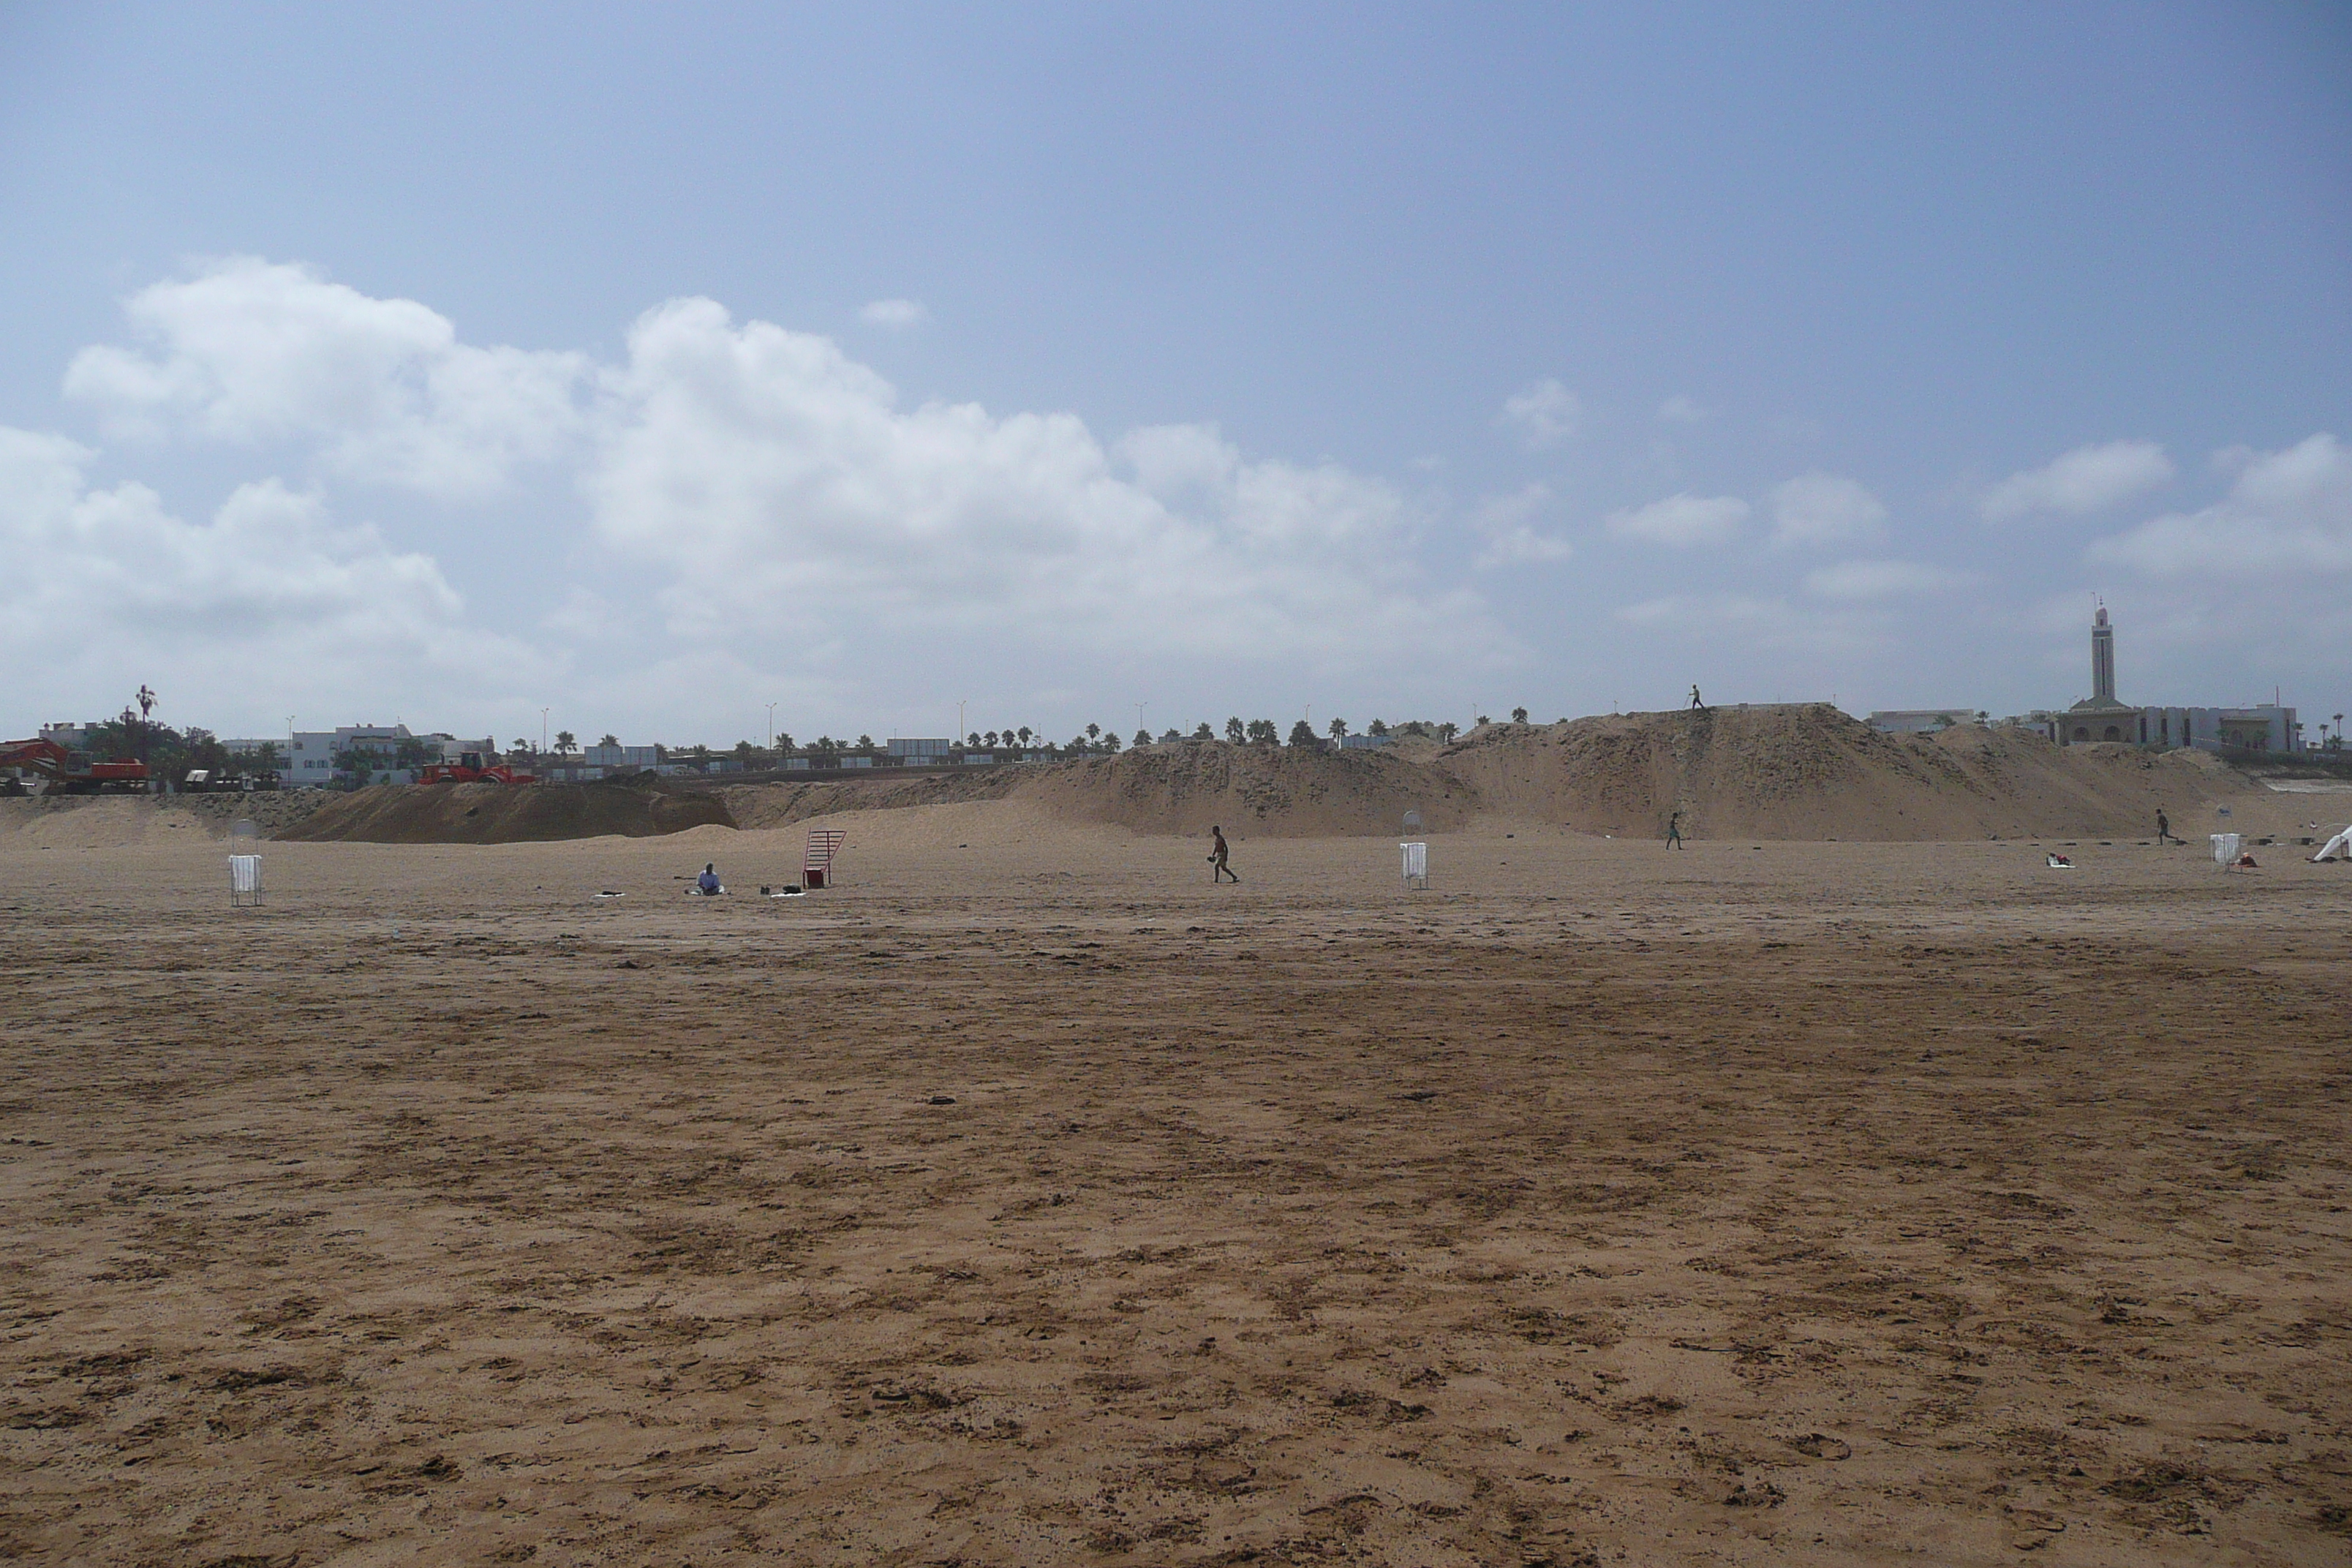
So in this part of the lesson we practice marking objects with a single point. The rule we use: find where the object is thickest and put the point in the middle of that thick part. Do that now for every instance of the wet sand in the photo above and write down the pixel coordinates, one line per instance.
(1036, 1201)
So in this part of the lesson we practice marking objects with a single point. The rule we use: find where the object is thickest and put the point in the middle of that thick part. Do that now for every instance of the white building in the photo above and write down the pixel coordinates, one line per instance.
(2104, 717)
(308, 756)
(1920, 721)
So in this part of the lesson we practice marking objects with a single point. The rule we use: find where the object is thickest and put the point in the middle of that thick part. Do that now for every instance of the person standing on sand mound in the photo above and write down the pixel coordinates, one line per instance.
(1217, 855)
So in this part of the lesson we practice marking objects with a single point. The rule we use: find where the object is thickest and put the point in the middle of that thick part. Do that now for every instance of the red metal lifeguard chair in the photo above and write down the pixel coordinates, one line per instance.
(816, 865)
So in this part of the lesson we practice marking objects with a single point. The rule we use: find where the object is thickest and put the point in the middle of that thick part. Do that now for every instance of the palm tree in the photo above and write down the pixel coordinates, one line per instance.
(1447, 731)
(609, 738)
(1022, 734)
(1338, 729)
(564, 743)
(1518, 715)
(1235, 732)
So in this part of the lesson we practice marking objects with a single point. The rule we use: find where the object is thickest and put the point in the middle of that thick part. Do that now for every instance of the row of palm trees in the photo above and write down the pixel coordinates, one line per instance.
(1093, 740)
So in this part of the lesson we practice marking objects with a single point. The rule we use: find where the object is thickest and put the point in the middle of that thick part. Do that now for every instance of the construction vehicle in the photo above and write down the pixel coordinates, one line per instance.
(72, 772)
(472, 767)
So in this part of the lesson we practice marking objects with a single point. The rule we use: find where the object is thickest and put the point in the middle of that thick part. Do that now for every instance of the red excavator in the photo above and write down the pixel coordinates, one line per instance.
(72, 772)
(472, 767)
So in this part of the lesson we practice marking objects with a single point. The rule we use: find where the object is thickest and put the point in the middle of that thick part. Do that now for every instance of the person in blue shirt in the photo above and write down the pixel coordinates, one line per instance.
(707, 883)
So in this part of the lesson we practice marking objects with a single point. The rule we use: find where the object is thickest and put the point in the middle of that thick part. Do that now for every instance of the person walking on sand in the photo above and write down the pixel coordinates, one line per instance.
(1674, 829)
(2164, 829)
(1217, 854)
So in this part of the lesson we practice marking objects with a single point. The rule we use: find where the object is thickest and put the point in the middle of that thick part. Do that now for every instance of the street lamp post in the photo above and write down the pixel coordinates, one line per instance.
(542, 729)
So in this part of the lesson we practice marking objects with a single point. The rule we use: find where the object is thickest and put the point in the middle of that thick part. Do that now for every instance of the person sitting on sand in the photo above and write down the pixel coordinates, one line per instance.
(1217, 856)
(707, 883)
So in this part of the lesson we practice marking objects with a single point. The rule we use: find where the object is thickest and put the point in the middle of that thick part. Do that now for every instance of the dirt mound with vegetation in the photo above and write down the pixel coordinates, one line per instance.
(508, 813)
(1807, 771)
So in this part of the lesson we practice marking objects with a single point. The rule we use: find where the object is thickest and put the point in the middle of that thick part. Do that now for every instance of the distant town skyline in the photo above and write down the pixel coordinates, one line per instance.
(658, 368)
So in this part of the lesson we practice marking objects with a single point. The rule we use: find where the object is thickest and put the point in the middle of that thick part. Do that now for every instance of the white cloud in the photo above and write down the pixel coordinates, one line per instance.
(781, 485)
(2287, 511)
(2086, 480)
(1681, 410)
(248, 352)
(1545, 415)
(896, 314)
(272, 597)
(1729, 625)
(1507, 524)
(1682, 520)
(785, 497)
(1866, 580)
(1825, 509)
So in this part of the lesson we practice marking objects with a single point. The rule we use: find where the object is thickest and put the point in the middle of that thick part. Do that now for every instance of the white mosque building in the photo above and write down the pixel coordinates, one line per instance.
(2105, 717)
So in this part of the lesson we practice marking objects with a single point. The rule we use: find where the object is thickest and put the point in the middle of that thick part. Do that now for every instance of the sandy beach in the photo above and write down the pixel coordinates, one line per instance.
(1029, 1199)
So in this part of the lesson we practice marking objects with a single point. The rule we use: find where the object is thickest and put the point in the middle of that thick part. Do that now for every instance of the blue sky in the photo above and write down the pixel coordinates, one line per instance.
(654, 364)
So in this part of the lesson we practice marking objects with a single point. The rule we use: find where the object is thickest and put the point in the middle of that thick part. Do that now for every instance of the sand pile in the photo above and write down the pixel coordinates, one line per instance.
(853, 790)
(98, 822)
(508, 813)
(1795, 772)
(117, 821)
(1264, 791)
(1807, 771)
(1261, 790)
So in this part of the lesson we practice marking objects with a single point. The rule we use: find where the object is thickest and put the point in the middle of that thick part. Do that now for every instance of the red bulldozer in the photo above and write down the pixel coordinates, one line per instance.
(72, 772)
(472, 767)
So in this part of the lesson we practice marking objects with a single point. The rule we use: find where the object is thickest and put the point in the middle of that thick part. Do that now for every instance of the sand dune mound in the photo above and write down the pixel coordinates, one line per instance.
(1275, 792)
(99, 822)
(507, 813)
(781, 804)
(1795, 772)
(1807, 771)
